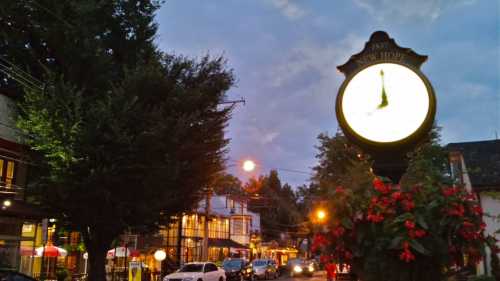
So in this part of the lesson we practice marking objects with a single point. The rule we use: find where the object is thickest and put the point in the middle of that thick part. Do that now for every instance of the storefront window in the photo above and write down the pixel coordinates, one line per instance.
(192, 226)
(218, 228)
(7, 173)
(216, 254)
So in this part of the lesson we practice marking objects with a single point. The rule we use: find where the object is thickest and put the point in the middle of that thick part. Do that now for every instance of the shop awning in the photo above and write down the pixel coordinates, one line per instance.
(225, 243)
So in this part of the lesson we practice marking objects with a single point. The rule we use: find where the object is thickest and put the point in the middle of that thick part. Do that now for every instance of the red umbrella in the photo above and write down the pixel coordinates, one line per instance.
(50, 251)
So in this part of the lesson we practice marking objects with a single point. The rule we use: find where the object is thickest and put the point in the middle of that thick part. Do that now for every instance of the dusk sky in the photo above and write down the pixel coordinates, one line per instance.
(284, 54)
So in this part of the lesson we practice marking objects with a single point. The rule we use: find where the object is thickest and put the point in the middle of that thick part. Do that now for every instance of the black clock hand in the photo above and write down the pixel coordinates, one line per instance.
(384, 101)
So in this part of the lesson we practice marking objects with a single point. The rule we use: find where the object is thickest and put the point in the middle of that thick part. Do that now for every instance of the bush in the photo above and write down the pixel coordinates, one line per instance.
(396, 233)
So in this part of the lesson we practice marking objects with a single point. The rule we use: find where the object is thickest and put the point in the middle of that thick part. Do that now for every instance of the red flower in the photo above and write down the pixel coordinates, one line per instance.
(338, 231)
(408, 205)
(420, 233)
(449, 191)
(378, 183)
(397, 196)
(386, 202)
(406, 255)
(340, 190)
(324, 259)
(318, 241)
(457, 210)
(477, 210)
(380, 186)
(468, 224)
(482, 226)
(409, 224)
(376, 218)
(471, 197)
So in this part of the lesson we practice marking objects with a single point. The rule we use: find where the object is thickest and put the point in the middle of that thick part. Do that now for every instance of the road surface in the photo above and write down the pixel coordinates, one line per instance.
(318, 276)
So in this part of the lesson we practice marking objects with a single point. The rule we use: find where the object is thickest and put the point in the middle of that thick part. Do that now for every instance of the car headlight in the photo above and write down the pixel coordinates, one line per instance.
(249, 270)
(297, 269)
(187, 279)
(311, 268)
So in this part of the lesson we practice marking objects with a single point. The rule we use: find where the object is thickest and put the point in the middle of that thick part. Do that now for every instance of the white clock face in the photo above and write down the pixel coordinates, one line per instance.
(385, 102)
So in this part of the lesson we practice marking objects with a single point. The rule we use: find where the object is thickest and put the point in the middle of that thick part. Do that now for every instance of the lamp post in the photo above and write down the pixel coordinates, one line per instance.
(160, 255)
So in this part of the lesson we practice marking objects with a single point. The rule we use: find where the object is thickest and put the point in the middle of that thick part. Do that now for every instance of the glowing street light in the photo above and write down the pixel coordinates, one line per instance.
(321, 214)
(7, 203)
(248, 165)
(160, 255)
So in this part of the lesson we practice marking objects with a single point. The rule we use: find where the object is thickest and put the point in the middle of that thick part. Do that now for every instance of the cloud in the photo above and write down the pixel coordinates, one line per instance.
(290, 9)
(408, 10)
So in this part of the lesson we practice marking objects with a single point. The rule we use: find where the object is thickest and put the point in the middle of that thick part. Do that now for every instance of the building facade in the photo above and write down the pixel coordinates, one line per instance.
(231, 231)
(476, 166)
(20, 222)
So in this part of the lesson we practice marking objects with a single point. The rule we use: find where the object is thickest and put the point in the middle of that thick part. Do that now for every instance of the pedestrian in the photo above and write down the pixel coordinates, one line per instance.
(331, 271)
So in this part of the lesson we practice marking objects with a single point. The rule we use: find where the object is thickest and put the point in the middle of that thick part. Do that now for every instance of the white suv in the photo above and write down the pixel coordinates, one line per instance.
(197, 271)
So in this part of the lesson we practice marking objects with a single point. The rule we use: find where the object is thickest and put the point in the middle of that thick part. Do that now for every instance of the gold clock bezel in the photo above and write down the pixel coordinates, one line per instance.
(371, 145)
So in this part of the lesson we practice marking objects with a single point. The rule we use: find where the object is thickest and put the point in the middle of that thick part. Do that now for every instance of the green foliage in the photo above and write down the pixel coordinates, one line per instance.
(414, 231)
(126, 153)
(276, 204)
(63, 274)
(123, 136)
(227, 184)
(340, 164)
(89, 43)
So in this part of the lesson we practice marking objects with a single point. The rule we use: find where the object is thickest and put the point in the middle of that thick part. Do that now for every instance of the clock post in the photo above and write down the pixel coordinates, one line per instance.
(386, 105)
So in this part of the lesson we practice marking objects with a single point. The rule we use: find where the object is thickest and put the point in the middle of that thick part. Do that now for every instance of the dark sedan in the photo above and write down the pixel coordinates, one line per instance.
(238, 270)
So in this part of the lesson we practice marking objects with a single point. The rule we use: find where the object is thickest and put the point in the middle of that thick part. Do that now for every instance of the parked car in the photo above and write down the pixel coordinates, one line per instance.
(265, 269)
(238, 270)
(8, 275)
(300, 267)
(197, 271)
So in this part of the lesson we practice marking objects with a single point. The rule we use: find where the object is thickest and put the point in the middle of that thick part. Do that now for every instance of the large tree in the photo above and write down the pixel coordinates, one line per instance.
(276, 204)
(123, 136)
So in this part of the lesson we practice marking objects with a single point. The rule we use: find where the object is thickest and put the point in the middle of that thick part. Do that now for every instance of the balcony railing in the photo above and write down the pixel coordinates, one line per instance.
(11, 189)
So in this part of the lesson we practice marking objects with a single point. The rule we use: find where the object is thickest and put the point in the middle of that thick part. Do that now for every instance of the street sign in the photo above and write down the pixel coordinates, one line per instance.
(134, 271)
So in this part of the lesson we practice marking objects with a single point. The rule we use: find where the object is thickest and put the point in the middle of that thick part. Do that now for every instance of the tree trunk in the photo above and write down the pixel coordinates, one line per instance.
(97, 247)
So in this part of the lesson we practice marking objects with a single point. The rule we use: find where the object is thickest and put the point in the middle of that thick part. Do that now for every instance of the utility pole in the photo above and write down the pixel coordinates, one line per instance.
(208, 196)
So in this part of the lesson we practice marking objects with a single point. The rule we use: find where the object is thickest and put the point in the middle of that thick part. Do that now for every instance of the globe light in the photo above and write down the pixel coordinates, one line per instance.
(248, 165)
(7, 203)
(320, 214)
(160, 255)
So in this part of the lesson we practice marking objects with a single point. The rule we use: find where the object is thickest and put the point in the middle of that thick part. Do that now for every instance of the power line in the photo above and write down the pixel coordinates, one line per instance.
(52, 14)
(277, 168)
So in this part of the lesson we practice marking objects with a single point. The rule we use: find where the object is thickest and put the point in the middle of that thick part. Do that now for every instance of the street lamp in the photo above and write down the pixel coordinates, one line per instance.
(321, 215)
(160, 255)
(6, 204)
(248, 165)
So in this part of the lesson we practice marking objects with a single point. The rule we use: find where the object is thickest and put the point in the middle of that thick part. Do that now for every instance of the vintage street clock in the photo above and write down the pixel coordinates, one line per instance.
(386, 105)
